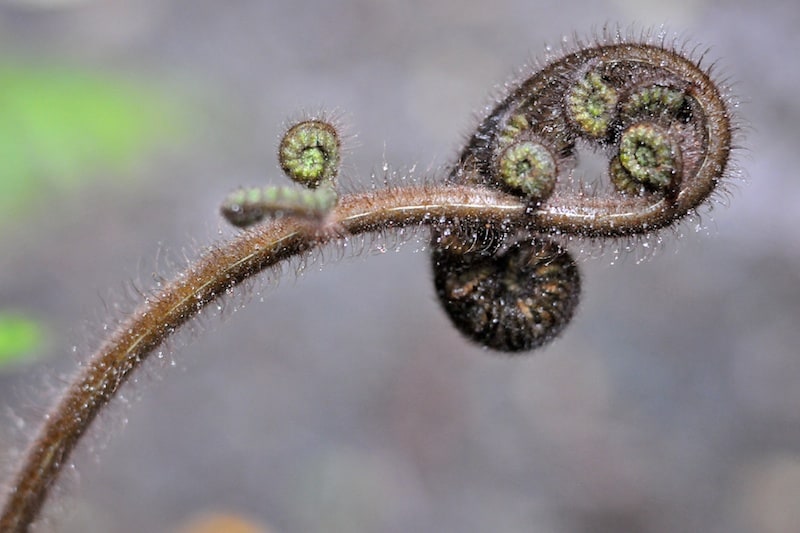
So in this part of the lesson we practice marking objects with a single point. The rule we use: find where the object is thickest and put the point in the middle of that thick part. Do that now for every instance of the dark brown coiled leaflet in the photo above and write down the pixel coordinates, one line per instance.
(511, 300)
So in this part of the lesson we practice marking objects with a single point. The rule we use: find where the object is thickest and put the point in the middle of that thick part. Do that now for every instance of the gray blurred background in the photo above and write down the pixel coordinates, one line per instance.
(344, 401)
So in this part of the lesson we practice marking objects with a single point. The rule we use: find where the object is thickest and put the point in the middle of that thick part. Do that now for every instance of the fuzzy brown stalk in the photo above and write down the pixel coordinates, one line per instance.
(220, 269)
(663, 122)
(227, 265)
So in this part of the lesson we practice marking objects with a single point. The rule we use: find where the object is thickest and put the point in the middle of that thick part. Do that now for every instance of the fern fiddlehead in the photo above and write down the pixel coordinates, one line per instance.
(659, 118)
(662, 125)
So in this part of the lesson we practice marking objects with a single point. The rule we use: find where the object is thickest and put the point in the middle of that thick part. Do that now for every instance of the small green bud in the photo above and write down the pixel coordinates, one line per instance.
(310, 153)
(591, 105)
(648, 159)
(528, 169)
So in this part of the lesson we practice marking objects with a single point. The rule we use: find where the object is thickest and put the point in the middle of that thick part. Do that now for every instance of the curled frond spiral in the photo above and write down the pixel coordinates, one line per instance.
(659, 119)
(310, 153)
(594, 97)
(527, 168)
(511, 300)
(648, 159)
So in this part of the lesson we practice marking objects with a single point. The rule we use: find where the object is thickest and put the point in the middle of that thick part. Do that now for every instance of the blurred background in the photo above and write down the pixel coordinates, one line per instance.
(344, 401)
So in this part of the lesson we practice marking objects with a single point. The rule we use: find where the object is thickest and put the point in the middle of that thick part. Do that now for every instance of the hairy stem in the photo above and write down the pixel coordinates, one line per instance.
(223, 267)
(660, 118)
(217, 271)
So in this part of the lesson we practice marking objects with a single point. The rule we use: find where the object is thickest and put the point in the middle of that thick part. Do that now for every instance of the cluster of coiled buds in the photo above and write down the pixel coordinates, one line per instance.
(500, 224)
(655, 115)
(665, 130)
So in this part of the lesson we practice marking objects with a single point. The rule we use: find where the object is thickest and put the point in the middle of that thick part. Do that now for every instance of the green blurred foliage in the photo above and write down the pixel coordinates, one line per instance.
(60, 127)
(20, 338)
